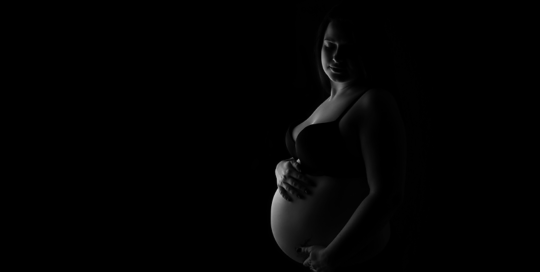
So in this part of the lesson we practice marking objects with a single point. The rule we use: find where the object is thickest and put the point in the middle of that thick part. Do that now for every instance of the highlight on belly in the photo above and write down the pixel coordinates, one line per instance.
(317, 219)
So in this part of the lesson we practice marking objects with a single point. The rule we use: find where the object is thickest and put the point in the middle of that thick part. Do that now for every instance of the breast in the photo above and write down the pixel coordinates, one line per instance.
(317, 219)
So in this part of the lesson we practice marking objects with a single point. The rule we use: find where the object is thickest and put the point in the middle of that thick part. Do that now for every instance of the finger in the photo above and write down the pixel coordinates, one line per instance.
(291, 189)
(298, 185)
(303, 250)
(307, 261)
(296, 179)
(293, 164)
(284, 194)
(296, 166)
(299, 182)
(301, 177)
(298, 174)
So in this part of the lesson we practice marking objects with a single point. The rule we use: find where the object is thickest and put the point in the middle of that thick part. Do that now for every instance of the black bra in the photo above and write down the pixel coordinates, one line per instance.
(322, 150)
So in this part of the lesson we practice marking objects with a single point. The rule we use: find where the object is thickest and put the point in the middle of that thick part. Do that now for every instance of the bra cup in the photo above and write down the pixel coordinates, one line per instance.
(323, 151)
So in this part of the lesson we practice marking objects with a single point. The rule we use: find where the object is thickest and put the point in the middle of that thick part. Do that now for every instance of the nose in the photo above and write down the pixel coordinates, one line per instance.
(338, 56)
(336, 59)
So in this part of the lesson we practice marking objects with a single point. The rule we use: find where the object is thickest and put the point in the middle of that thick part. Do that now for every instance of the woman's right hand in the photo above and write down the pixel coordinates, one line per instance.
(291, 181)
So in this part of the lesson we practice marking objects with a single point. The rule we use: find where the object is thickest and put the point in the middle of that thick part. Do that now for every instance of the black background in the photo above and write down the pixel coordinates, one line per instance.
(171, 122)
(465, 63)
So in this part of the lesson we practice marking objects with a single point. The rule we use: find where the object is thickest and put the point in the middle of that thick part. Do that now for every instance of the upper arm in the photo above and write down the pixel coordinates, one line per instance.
(382, 142)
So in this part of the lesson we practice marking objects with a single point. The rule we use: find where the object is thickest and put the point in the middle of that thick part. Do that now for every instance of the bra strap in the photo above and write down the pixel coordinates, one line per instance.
(350, 106)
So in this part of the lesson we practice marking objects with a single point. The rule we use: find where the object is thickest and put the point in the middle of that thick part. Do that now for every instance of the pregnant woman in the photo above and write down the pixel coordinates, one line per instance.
(337, 194)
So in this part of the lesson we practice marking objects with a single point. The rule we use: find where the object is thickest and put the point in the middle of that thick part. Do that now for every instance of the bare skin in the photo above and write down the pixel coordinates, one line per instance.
(345, 86)
(316, 218)
(305, 219)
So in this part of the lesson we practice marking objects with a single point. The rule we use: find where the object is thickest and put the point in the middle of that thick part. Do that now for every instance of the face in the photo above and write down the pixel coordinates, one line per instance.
(336, 54)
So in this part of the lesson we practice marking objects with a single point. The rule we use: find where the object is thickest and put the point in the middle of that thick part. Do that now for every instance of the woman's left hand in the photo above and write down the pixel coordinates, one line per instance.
(316, 258)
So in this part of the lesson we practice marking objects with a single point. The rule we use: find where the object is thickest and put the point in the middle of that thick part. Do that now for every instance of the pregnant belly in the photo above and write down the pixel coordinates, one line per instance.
(318, 218)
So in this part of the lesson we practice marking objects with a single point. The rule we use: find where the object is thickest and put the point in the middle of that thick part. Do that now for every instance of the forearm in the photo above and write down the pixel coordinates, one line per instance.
(371, 216)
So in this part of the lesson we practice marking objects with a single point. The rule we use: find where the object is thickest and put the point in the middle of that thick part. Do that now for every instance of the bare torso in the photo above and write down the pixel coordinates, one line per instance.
(317, 219)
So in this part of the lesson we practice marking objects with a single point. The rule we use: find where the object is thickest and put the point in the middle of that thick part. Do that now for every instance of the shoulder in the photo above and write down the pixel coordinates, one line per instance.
(377, 99)
(377, 105)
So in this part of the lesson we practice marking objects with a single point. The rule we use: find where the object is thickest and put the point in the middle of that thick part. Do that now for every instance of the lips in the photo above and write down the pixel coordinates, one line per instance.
(336, 70)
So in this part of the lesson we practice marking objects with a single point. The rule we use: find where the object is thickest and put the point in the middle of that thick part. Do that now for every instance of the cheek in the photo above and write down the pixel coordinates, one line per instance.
(323, 58)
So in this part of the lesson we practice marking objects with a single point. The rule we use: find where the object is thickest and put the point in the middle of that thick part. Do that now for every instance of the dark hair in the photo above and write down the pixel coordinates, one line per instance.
(372, 43)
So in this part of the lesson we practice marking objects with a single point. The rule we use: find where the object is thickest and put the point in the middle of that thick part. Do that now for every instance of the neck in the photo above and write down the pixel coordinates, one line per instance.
(340, 89)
